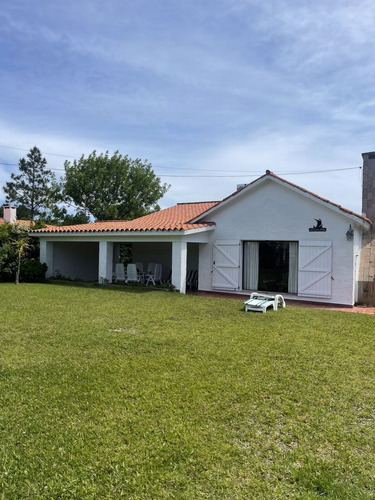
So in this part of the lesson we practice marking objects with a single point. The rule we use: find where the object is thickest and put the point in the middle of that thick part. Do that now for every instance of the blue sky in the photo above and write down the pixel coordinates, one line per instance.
(212, 93)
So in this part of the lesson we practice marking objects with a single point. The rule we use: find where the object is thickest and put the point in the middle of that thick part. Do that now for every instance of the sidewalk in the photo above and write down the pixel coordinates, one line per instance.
(332, 307)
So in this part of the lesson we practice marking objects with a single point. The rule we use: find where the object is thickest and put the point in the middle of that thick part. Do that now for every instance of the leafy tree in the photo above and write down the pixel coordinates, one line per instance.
(34, 189)
(59, 216)
(113, 188)
(80, 217)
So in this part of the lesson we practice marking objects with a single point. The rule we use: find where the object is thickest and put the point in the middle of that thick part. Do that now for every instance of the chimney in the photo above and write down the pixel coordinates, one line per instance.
(366, 282)
(10, 214)
(368, 186)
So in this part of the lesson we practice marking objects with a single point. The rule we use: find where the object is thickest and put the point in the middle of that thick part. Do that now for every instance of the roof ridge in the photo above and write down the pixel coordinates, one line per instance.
(196, 202)
(105, 220)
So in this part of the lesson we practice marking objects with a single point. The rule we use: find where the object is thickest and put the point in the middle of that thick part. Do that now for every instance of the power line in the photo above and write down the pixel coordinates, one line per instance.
(255, 175)
(155, 166)
(52, 154)
(243, 173)
(247, 174)
(320, 171)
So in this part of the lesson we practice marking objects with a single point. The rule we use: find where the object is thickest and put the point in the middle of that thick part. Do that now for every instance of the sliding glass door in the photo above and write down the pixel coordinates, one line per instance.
(270, 266)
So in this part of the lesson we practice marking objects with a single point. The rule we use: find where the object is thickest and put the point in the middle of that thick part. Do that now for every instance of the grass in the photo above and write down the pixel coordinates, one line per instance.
(111, 393)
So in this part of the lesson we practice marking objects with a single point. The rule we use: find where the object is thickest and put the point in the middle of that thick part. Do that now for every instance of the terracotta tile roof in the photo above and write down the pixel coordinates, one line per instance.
(271, 174)
(175, 218)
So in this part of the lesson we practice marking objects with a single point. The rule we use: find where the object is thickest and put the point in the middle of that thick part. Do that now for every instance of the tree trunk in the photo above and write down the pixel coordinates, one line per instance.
(17, 282)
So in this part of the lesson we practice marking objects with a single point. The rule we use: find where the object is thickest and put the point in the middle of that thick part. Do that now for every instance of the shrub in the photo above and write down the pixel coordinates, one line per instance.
(33, 271)
(10, 236)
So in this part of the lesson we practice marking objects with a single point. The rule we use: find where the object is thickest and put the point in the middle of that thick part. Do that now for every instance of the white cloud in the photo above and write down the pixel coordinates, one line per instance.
(281, 85)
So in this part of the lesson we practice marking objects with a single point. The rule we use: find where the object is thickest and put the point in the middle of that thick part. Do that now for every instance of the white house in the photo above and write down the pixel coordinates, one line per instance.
(269, 235)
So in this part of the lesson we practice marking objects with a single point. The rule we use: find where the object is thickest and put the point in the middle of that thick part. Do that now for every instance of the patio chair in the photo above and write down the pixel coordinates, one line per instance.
(139, 266)
(151, 268)
(150, 271)
(120, 272)
(168, 280)
(140, 271)
(192, 279)
(155, 276)
(131, 273)
(261, 302)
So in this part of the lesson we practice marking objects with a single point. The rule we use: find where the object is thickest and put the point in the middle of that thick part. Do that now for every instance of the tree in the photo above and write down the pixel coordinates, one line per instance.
(113, 188)
(35, 189)
(80, 217)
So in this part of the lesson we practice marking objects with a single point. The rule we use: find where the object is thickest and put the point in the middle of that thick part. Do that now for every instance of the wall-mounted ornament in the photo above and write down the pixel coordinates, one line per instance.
(318, 227)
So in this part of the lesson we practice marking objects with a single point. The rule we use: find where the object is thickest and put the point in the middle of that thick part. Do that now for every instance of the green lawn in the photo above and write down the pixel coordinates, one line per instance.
(114, 393)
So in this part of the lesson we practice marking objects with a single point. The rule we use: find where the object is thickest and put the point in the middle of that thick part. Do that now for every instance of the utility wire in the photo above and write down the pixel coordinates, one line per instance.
(52, 154)
(278, 173)
(243, 173)
(248, 174)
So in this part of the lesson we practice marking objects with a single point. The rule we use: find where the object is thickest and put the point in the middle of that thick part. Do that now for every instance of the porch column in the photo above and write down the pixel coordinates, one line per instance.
(179, 262)
(105, 261)
(46, 255)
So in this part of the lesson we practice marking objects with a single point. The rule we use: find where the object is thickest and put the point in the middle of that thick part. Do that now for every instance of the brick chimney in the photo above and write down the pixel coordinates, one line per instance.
(366, 285)
(10, 214)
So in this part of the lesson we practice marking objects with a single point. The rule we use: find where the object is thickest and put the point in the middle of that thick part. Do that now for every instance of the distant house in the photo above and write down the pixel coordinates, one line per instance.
(270, 235)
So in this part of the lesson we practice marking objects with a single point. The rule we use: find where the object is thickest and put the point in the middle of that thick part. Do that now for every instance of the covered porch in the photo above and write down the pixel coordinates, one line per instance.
(94, 259)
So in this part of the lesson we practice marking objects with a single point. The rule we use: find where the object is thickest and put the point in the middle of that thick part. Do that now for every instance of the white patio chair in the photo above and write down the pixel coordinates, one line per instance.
(151, 268)
(120, 272)
(140, 271)
(261, 302)
(155, 276)
(150, 271)
(131, 273)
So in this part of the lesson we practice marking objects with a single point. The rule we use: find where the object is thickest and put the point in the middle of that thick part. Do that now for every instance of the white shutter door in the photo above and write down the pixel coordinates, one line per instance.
(315, 268)
(226, 265)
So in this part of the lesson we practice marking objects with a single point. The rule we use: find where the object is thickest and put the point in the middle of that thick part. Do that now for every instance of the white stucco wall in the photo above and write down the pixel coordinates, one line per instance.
(273, 212)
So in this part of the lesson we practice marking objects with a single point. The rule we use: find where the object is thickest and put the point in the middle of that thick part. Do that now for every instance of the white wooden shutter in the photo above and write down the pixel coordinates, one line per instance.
(226, 265)
(315, 268)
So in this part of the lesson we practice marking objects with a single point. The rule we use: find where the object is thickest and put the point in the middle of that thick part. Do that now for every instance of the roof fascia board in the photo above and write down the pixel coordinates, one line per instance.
(141, 235)
(106, 234)
(199, 230)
